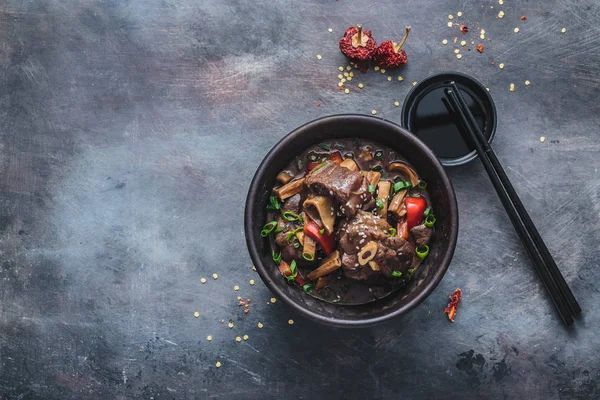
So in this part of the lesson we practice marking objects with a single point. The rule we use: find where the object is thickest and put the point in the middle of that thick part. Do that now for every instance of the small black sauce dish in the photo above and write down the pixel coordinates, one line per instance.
(426, 164)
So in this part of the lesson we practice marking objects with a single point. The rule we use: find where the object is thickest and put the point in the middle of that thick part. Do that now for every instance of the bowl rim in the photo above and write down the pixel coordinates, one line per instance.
(254, 189)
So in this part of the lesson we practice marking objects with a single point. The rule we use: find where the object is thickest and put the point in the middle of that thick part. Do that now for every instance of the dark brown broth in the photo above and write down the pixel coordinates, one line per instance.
(342, 290)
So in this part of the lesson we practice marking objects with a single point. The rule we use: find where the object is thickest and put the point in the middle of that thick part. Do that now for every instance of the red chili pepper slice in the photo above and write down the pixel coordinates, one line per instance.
(327, 242)
(336, 157)
(402, 229)
(415, 207)
(453, 305)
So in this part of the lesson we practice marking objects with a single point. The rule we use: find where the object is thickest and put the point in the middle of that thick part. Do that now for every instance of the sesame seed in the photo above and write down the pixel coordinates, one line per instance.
(360, 86)
(319, 56)
(260, 325)
(456, 51)
(374, 112)
(252, 281)
(209, 338)
(238, 339)
(215, 276)
(230, 325)
(459, 56)
(542, 139)
(459, 13)
(346, 91)
(218, 364)
(330, 30)
(463, 43)
(202, 280)
(512, 87)
(389, 78)
(501, 14)
(450, 16)
(563, 30)
(516, 30)
(501, 66)
(245, 337)
(449, 24)
(376, 68)
(527, 83)
(196, 314)
(291, 321)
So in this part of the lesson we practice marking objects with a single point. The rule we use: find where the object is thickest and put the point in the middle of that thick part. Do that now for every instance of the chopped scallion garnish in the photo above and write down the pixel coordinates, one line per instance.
(380, 204)
(377, 168)
(291, 234)
(308, 288)
(398, 186)
(426, 212)
(308, 256)
(290, 216)
(324, 146)
(430, 220)
(392, 232)
(422, 185)
(422, 251)
(379, 155)
(268, 228)
(276, 231)
(320, 166)
(396, 274)
(273, 203)
(371, 189)
(322, 231)
(277, 257)
(410, 273)
(293, 269)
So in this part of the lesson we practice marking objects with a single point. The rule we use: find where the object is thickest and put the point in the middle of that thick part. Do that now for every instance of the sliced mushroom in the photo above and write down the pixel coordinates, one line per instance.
(309, 248)
(374, 266)
(367, 253)
(373, 177)
(383, 194)
(284, 177)
(366, 155)
(397, 205)
(350, 164)
(289, 189)
(407, 171)
(322, 282)
(330, 264)
(320, 208)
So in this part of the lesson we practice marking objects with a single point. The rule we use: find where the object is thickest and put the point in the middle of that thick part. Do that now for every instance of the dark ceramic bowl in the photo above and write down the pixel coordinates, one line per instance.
(426, 164)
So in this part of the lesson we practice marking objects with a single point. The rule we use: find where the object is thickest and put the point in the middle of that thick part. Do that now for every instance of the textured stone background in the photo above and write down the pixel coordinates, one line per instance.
(129, 132)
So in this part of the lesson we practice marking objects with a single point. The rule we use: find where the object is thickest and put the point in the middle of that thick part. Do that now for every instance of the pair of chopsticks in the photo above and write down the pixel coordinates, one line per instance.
(555, 283)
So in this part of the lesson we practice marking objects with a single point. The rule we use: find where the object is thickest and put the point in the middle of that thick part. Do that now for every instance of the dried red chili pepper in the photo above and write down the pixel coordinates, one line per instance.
(464, 28)
(453, 305)
(390, 54)
(480, 48)
(358, 45)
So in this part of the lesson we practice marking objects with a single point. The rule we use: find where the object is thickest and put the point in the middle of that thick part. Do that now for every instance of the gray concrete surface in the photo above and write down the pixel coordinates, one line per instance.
(129, 132)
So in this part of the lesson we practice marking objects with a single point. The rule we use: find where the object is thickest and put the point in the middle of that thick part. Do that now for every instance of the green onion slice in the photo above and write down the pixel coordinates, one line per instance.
(379, 155)
(410, 273)
(398, 186)
(274, 203)
(290, 216)
(268, 228)
(430, 220)
(392, 231)
(308, 256)
(322, 231)
(324, 146)
(396, 274)
(293, 268)
(422, 185)
(371, 189)
(308, 288)
(380, 204)
(277, 257)
(320, 166)
(422, 251)
(377, 168)
(291, 234)
(278, 230)
(313, 157)
(426, 212)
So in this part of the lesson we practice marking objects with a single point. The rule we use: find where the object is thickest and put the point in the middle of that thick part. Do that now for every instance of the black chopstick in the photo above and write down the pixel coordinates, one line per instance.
(532, 230)
(556, 295)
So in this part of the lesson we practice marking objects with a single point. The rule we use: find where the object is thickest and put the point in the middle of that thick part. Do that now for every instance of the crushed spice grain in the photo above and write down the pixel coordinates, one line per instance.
(360, 86)
(449, 24)
(202, 280)
(230, 325)
(319, 56)
(273, 299)
(516, 30)
(501, 66)
(252, 280)
(218, 364)
(238, 339)
(501, 14)
(397, 104)
(527, 83)
(347, 91)
(511, 87)
(563, 30)
(459, 13)
(389, 78)
(330, 30)
(459, 56)
(374, 112)
(260, 325)
(463, 43)
(245, 337)
(215, 276)
(480, 48)
(445, 41)
(542, 139)
(453, 305)
(291, 321)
